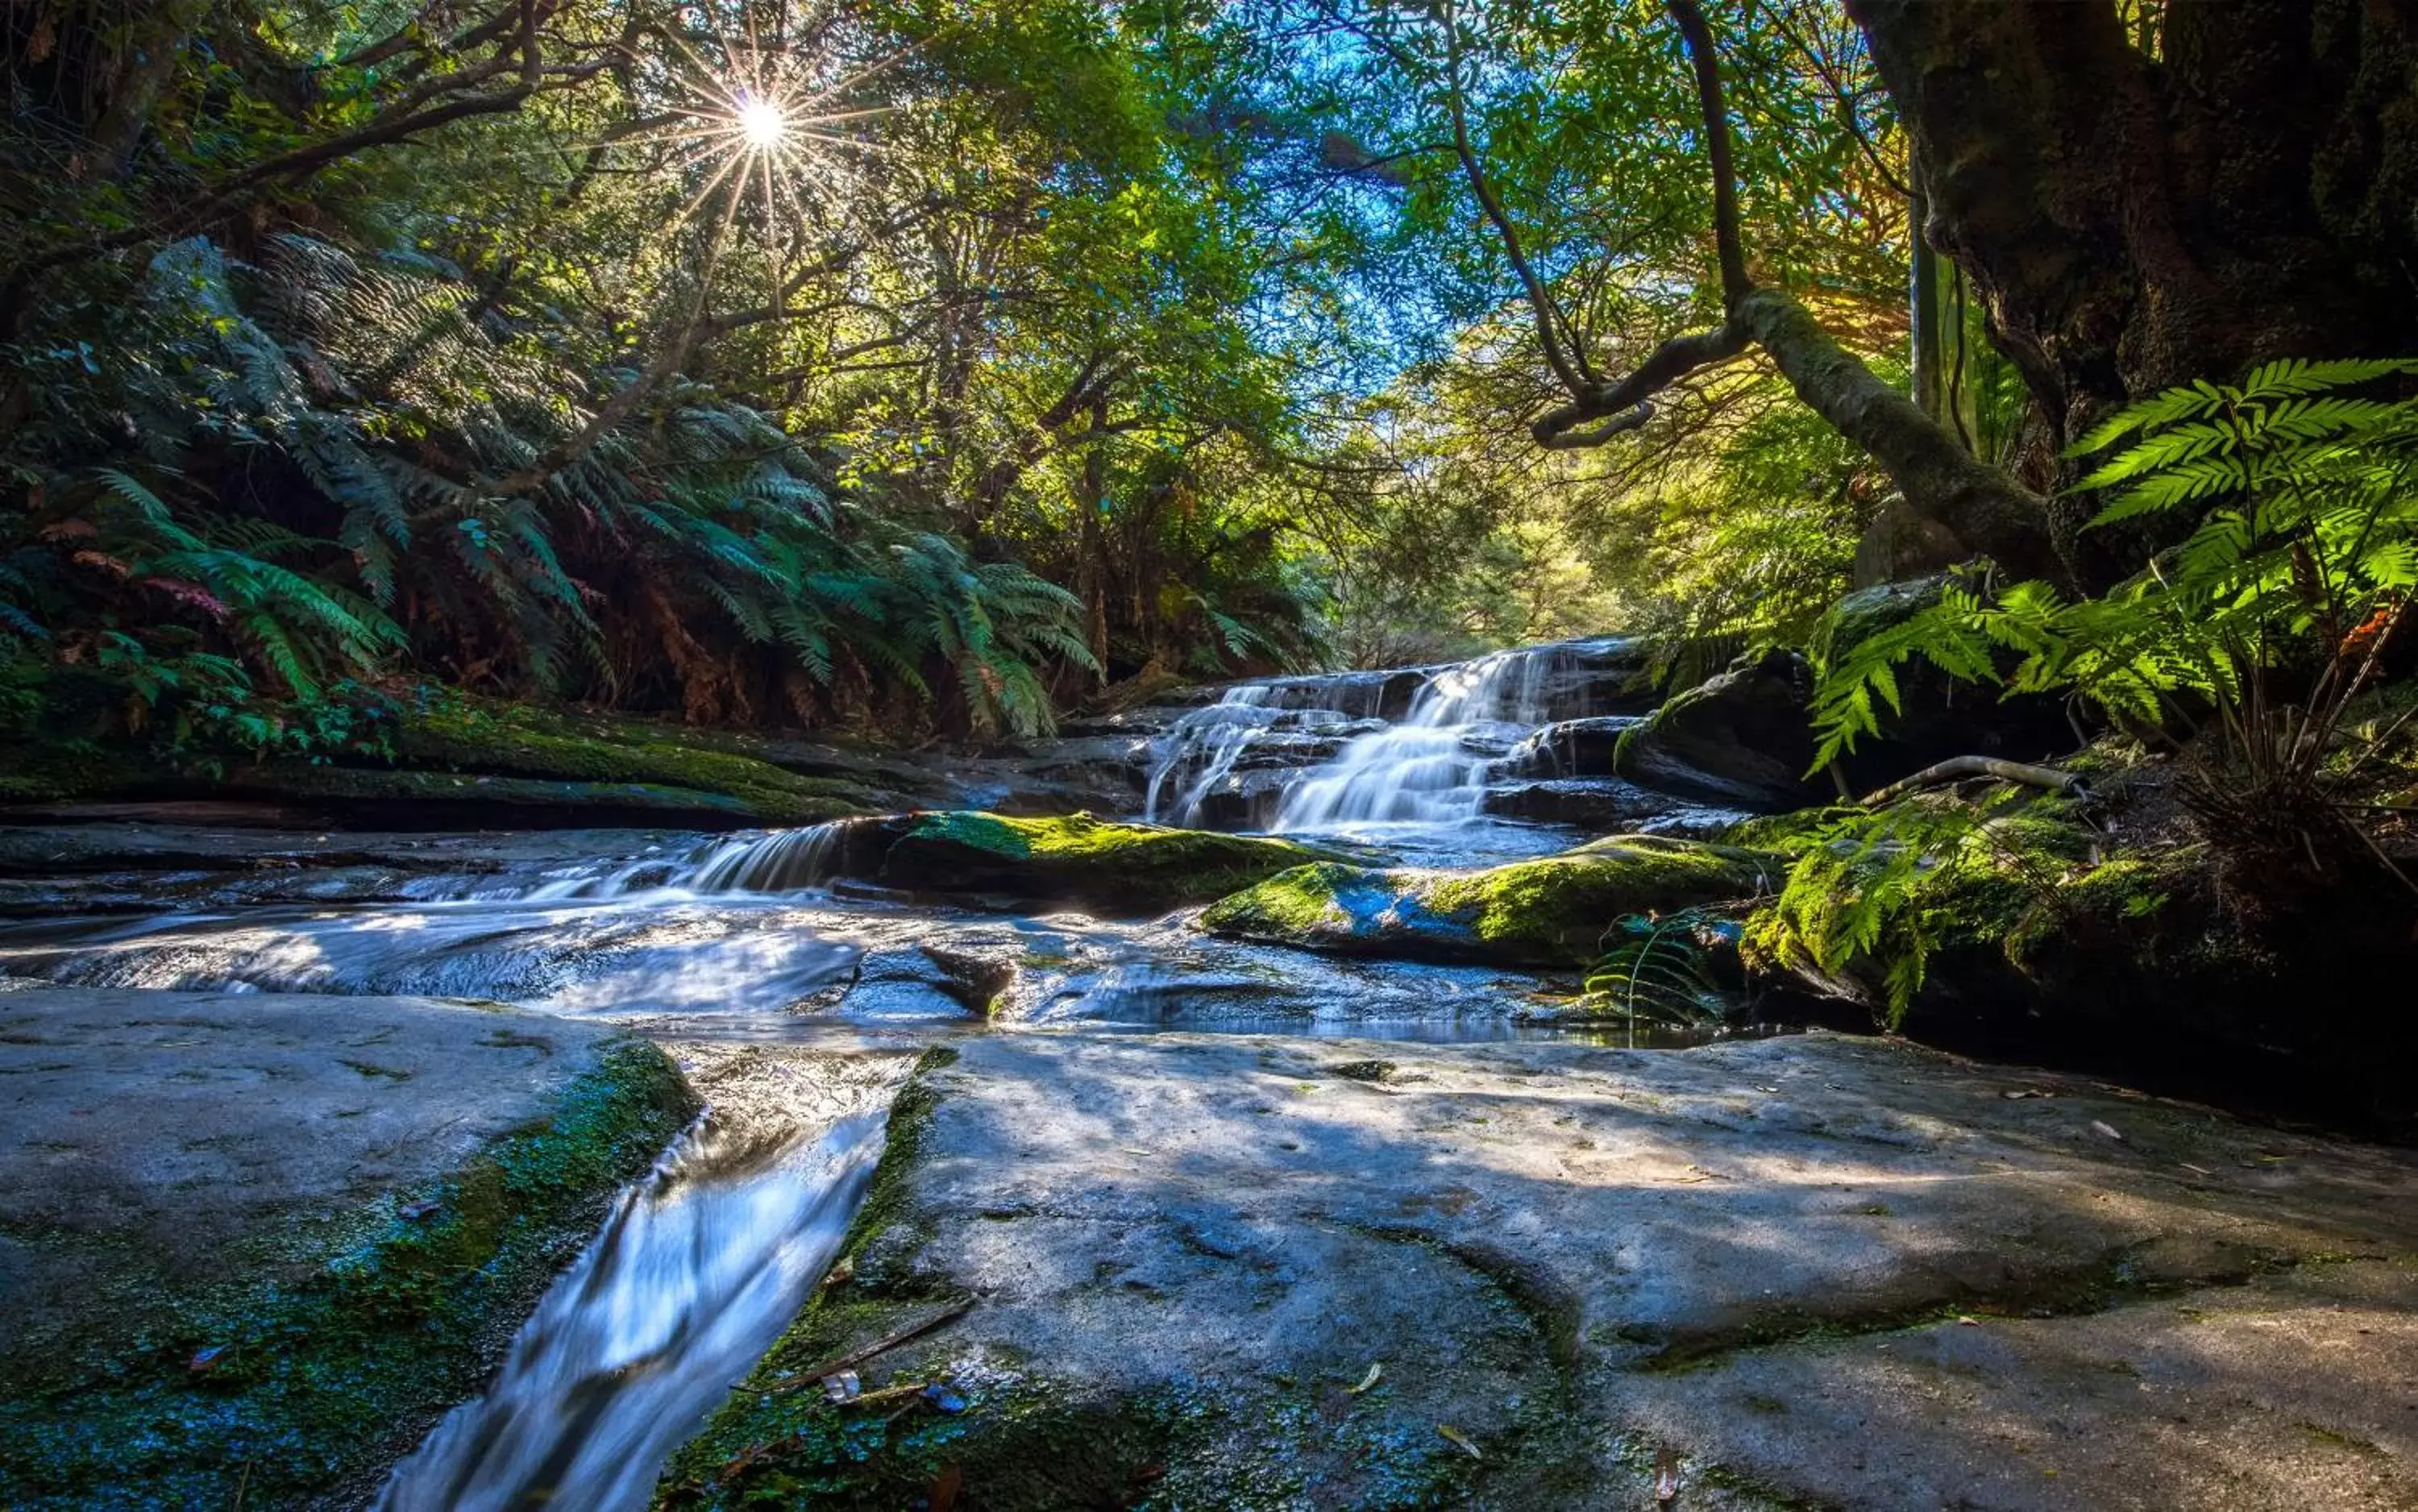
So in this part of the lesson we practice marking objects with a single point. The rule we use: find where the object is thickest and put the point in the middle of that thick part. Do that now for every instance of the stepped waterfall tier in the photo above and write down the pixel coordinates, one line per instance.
(1505, 754)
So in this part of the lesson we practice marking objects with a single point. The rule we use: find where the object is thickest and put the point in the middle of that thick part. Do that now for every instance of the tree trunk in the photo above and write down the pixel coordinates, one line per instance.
(149, 63)
(1092, 573)
(2134, 223)
(1987, 510)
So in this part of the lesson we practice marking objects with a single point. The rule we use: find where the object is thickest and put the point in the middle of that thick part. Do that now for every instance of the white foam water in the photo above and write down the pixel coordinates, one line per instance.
(1432, 769)
(693, 1277)
(1199, 751)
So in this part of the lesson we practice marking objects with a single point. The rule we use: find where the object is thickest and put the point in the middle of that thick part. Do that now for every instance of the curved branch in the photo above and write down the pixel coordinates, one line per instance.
(1956, 768)
(1698, 37)
(1667, 365)
(1568, 362)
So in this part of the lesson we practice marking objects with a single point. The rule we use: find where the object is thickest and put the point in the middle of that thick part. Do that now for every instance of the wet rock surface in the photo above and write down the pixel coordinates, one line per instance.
(185, 1119)
(229, 1222)
(1804, 1271)
(1115, 868)
(1741, 739)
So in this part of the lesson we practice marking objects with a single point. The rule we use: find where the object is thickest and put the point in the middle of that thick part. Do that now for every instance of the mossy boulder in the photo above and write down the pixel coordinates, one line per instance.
(70, 734)
(1741, 739)
(1937, 716)
(430, 795)
(1550, 911)
(483, 738)
(1074, 859)
(2031, 932)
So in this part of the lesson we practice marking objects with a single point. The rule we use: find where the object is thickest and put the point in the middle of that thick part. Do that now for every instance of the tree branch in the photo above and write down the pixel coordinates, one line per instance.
(1698, 37)
(1956, 768)
(1568, 363)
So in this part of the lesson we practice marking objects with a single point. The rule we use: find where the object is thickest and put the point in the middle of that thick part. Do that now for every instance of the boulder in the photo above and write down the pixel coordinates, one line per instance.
(1071, 859)
(1741, 739)
(1939, 717)
(1550, 911)
(2039, 936)
(1596, 804)
(1574, 747)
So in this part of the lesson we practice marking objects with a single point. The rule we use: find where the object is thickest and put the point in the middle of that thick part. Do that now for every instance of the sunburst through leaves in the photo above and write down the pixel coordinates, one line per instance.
(775, 118)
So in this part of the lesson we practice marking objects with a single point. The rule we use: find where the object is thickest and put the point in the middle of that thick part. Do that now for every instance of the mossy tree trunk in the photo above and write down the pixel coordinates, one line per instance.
(2142, 205)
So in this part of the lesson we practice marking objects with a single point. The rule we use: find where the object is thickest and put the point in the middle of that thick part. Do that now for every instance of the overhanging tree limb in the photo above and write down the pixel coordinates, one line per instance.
(1983, 509)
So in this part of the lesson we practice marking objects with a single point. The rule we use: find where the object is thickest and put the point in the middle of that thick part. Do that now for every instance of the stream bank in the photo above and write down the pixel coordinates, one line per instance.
(1210, 1123)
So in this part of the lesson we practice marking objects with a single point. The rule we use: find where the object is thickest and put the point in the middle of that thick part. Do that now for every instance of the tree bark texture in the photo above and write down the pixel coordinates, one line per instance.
(2134, 223)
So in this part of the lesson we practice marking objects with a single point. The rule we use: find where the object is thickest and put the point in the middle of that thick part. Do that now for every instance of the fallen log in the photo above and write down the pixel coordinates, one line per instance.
(1956, 768)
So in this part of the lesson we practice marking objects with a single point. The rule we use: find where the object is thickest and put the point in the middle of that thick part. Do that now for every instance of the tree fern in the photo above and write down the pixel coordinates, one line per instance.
(2311, 528)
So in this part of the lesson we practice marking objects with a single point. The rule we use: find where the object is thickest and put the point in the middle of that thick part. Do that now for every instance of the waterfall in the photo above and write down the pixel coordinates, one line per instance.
(781, 862)
(777, 861)
(1200, 750)
(1431, 768)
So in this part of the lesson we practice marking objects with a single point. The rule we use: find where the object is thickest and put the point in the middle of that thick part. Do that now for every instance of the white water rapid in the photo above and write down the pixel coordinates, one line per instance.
(1432, 769)
(1318, 756)
(695, 1274)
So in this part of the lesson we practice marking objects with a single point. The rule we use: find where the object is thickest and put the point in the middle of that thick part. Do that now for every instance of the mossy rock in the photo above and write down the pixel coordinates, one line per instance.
(70, 733)
(1743, 738)
(1788, 835)
(1076, 859)
(297, 1365)
(578, 801)
(483, 738)
(1550, 911)
(2042, 937)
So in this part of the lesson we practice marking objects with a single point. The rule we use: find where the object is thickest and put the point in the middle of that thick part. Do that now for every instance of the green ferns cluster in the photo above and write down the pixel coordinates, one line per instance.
(2301, 560)
(324, 465)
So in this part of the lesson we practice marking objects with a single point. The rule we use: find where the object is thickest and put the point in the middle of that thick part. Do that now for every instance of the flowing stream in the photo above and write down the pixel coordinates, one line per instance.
(735, 941)
(693, 1277)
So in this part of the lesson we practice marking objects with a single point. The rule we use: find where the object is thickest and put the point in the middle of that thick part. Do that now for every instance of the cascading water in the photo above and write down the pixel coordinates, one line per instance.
(1201, 748)
(780, 860)
(1431, 768)
(695, 1274)
(1432, 765)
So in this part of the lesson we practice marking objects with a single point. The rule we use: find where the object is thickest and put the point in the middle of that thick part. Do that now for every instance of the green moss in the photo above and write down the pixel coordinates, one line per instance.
(327, 1348)
(67, 770)
(378, 784)
(1292, 905)
(1786, 835)
(1077, 857)
(483, 737)
(1549, 911)
(69, 733)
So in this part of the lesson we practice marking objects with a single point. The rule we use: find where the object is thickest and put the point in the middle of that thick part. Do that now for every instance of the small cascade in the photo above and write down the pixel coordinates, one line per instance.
(693, 1277)
(785, 861)
(1483, 758)
(1433, 767)
(1199, 750)
(777, 861)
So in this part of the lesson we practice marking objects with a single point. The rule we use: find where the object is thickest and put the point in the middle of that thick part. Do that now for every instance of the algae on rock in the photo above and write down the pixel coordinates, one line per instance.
(295, 1365)
(1550, 911)
(1124, 869)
